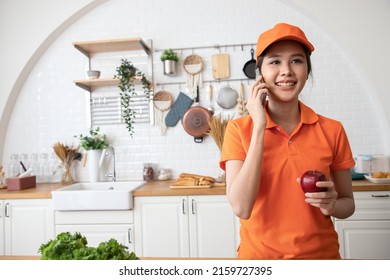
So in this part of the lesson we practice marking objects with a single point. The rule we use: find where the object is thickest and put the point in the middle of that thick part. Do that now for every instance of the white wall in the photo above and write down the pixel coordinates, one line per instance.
(48, 107)
(360, 27)
(27, 29)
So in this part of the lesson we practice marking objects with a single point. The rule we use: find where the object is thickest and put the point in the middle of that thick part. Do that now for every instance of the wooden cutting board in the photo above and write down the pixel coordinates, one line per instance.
(221, 66)
(190, 187)
(216, 184)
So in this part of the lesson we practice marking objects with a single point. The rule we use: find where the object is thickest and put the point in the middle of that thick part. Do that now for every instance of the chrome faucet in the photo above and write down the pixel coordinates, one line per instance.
(113, 173)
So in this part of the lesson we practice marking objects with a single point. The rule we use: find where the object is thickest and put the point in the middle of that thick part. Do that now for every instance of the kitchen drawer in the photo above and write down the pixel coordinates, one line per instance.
(93, 217)
(371, 206)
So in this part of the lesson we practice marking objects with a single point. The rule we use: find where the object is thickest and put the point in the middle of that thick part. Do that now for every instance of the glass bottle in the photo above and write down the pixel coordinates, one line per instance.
(43, 168)
(35, 166)
(26, 162)
(13, 166)
(54, 169)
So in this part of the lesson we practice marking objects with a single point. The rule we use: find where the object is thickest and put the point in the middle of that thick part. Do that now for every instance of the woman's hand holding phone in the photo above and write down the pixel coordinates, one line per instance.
(264, 95)
(256, 101)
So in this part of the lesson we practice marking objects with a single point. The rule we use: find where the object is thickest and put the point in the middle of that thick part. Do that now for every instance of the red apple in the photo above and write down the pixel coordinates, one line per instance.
(309, 180)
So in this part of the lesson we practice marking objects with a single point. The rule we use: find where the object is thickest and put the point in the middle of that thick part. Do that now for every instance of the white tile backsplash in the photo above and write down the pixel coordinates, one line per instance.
(51, 108)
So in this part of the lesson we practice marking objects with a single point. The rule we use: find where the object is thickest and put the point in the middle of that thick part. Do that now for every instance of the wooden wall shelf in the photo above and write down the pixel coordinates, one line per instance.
(115, 45)
(101, 82)
(113, 114)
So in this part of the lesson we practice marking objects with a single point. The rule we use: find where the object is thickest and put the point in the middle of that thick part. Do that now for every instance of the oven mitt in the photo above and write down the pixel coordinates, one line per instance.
(179, 107)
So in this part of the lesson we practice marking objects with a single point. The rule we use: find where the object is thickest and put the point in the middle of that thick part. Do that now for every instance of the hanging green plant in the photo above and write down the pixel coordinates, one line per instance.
(127, 73)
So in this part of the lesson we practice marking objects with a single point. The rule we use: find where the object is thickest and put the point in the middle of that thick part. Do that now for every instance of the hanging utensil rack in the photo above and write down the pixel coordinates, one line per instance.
(217, 46)
(210, 47)
(204, 81)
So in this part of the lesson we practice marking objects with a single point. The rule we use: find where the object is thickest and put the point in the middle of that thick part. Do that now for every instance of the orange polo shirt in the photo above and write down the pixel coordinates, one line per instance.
(282, 225)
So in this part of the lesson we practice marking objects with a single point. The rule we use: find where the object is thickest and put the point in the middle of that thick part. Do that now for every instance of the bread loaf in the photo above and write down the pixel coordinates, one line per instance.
(185, 182)
(189, 179)
(196, 176)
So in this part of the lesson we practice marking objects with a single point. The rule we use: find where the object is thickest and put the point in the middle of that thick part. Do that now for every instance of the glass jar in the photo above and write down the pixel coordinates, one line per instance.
(148, 172)
(164, 174)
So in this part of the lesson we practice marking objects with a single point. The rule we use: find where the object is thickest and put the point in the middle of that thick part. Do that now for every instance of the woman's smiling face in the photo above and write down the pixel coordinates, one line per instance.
(285, 70)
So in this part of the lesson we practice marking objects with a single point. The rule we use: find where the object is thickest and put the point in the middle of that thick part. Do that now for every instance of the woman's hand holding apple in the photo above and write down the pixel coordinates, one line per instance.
(324, 200)
(319, 192)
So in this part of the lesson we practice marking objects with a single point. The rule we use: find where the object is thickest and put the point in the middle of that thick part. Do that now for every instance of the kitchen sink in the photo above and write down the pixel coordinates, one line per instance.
(95, 196)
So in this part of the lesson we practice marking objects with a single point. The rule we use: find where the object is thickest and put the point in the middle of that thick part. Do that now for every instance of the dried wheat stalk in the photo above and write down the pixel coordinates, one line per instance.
(65, 153)
(217, 129)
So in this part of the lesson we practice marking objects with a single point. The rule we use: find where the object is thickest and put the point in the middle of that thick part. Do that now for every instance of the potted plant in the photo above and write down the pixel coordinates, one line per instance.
(94, 141)
(93, 144)
(127, 73)
(169, 59)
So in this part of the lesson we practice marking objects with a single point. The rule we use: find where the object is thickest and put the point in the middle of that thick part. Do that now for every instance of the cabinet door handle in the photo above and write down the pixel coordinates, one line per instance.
(129, 236)
(193, 206)
(7, 212)
(183, 206)
(379, 195)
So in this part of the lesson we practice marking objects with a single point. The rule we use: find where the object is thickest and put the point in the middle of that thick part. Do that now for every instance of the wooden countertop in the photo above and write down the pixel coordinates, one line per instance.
(364, 185)
(41, 191)
(162, 188)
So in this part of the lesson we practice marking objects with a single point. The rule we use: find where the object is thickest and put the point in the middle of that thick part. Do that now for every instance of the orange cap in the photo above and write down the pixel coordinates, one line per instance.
(282, 31)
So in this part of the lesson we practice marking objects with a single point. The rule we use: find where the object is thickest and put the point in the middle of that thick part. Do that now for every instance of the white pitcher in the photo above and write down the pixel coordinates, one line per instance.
(94, 162)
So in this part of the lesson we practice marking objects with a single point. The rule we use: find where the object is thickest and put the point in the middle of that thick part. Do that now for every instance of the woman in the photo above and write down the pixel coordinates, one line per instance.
(266, 152)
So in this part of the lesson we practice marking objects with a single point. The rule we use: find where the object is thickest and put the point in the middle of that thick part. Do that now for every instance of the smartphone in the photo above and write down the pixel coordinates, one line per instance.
(264, 95)
(257, 71)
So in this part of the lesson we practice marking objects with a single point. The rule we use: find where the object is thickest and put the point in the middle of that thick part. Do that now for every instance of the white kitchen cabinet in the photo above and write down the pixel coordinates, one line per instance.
(25, 224)
(185, 226)
(98, 226)
(366, 234)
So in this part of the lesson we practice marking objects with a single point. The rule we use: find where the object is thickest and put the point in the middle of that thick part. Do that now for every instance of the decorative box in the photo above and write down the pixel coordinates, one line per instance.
(15, 184)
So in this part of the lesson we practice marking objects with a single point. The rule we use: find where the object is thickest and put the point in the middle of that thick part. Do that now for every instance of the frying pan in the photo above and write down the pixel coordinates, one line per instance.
(196, 121)
(250, 67)
(227, 97)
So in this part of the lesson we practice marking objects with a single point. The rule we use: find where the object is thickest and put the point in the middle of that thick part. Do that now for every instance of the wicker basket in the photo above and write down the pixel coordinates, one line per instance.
(193, 64)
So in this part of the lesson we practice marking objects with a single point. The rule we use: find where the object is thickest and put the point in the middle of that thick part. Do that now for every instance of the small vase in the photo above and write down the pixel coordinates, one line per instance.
(169, 67)
(67, 174)
(93, 159)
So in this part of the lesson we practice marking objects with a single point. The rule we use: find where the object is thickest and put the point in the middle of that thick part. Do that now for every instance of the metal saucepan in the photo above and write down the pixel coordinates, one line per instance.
(227, 97)
(250, 67)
